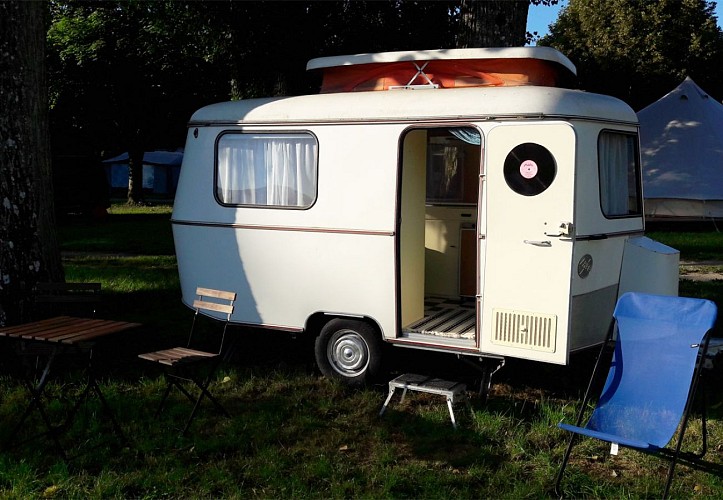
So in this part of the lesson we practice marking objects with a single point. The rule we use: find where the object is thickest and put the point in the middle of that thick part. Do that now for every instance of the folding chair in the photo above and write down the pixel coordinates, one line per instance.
(73, 299)
(660, 344)
(185, 364)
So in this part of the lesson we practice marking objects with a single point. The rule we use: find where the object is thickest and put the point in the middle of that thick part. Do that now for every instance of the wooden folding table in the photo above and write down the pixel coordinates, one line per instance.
(63, 335)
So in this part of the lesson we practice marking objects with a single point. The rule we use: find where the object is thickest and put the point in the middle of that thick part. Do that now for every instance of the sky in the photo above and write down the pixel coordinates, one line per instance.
(540, 17)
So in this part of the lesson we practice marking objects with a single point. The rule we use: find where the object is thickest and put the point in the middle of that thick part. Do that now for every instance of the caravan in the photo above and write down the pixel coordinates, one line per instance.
(460, 201)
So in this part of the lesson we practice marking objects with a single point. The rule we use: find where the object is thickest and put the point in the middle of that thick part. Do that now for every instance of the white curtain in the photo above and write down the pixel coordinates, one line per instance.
(267, 169)
(618, 187)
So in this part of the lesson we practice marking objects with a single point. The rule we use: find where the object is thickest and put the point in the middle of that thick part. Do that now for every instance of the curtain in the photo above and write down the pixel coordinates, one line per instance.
(267, 169)
(467, 134)
(617, 164)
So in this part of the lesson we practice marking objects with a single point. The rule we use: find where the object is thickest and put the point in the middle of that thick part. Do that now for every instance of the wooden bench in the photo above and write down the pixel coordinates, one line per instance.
(77, 299)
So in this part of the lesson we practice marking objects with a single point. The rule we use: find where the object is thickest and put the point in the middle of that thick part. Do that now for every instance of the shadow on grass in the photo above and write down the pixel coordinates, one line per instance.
(292, 432)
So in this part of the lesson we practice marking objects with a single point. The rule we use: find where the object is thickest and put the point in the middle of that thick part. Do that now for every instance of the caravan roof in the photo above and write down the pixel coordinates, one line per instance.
(543, 53)
(448, 68)
(431, 85)
(462, 104)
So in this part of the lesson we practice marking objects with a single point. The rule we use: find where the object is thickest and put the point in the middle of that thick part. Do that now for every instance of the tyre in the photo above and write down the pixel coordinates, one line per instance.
(349, 351)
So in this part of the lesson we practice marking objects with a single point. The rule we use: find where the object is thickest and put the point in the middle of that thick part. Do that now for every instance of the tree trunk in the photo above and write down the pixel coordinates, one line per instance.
(135, 176)
(29, 250)
(493, 23)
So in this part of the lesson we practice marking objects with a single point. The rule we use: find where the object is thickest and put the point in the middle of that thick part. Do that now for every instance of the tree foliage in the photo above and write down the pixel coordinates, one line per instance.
(485, 23)
(126, 75)
(638, 50)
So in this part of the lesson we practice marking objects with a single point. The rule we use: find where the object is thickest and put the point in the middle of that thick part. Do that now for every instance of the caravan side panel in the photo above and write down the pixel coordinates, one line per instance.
(338, 256)
(282, 277)
(601, 239)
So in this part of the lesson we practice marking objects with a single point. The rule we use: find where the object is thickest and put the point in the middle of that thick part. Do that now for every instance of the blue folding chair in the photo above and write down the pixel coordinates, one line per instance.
(660, 343)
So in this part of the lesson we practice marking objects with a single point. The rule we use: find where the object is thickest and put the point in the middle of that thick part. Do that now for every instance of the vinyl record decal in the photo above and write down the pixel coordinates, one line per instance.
(529, 169)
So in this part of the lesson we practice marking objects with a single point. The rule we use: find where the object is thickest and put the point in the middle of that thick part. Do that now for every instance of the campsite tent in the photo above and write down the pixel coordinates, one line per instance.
(160, 171)
(681, 138)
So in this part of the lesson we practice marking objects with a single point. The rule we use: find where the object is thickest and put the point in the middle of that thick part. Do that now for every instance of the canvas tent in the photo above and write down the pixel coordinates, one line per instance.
(681, 139)
(160, 171)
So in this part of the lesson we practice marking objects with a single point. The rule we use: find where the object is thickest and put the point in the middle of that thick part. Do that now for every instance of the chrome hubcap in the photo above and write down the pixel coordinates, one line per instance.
(348, 353)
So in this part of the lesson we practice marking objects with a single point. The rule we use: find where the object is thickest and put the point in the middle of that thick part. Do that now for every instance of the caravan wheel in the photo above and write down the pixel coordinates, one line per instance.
(349, 351)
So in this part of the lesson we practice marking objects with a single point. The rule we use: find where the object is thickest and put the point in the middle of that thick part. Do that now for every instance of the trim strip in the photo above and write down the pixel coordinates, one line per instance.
(604, 236)
(421, 120)
(288, 329)
(284, 228)
(400, 342)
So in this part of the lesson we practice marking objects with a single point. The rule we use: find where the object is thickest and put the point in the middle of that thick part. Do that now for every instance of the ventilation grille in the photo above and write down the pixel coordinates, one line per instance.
(523, 329)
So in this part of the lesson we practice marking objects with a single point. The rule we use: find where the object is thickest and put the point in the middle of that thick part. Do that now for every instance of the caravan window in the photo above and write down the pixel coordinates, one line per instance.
(453, 159)
(619, 174)
(269, 170)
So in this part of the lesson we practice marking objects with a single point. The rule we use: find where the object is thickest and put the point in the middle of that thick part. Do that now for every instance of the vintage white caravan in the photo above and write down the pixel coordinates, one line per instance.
(453, 200)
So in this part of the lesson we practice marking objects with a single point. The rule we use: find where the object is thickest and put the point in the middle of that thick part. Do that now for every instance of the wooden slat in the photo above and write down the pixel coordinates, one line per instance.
(28, 330)
(186, 351)
(94, 332)
(158, 356)
(219, 294)
(65, 299)
(67, 292)
(60, 330)
(66, 329)
(12, 331)
(212, 306)
(170, 357)
(65, 287)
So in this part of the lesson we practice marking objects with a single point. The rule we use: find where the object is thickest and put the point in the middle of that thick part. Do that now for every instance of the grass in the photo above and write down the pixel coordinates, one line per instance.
(128, 230)
(699, 245)
(295, 434)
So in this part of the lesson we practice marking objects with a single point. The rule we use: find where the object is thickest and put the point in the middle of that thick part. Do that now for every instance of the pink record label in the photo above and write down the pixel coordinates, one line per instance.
(528, 169)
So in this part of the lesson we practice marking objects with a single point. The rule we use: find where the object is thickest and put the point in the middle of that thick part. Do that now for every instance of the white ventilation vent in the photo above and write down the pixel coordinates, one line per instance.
(524, 329)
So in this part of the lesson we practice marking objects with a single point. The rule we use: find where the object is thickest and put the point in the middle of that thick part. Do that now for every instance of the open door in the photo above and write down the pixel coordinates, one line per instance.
(525, 299)
(437, 235)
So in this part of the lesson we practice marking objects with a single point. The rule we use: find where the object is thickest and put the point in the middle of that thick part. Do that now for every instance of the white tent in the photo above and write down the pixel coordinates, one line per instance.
(681, 138)
(160, 171)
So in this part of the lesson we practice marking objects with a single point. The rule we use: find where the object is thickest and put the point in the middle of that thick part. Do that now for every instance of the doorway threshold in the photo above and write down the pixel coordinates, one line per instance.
(447, 318)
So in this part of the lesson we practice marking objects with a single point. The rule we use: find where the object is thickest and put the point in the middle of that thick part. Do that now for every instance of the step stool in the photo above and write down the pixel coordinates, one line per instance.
(453, 391)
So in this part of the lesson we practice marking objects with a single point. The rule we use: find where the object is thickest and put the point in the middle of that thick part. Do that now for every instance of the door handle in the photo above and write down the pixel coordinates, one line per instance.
(538, 243)
(565, 230)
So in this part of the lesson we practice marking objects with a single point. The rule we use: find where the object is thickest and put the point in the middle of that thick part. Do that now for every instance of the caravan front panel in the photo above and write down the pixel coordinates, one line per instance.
(530, 178)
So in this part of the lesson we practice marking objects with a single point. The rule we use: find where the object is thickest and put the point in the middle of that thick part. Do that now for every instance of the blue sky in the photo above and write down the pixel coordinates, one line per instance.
(540, 17)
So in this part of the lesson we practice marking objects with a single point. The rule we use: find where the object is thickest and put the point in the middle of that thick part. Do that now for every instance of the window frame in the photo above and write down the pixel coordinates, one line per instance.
(285, 132)
(638, 175)
(441, 202)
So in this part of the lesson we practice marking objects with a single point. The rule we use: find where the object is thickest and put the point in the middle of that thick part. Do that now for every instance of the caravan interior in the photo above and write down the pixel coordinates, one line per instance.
(440, 178)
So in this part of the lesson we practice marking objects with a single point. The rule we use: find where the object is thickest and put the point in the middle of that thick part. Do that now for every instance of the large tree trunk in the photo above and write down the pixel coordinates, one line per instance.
(36, 78)
(493, 23)
(29, 250)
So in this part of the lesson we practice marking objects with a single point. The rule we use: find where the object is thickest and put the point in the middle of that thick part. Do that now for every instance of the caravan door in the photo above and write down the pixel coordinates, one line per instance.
(525, 303)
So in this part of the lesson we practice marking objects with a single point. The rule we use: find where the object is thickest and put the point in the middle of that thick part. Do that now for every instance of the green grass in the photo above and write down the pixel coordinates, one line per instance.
(705, 248)
(127, 230)
(693, 245)
(294, 434)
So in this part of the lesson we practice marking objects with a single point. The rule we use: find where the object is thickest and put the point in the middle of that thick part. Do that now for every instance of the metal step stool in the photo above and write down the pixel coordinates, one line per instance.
(453, 391)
